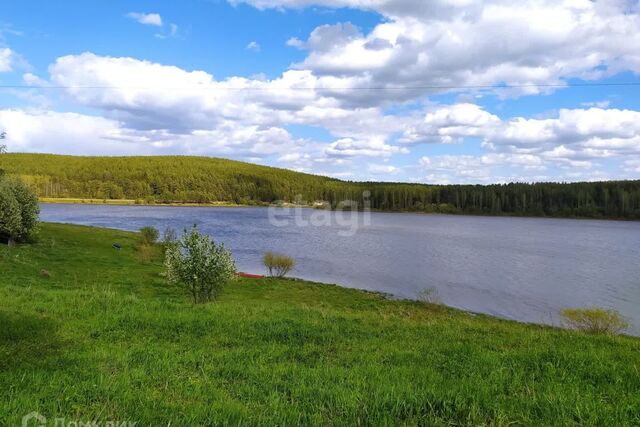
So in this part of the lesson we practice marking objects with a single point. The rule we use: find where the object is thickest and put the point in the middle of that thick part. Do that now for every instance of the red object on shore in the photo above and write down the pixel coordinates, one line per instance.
(250, 276)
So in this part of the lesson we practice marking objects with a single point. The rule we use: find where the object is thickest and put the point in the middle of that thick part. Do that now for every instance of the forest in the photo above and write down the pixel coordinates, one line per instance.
(183, 179)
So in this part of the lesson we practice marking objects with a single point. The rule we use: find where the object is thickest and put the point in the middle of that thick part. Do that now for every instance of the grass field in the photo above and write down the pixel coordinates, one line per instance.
(104, 338)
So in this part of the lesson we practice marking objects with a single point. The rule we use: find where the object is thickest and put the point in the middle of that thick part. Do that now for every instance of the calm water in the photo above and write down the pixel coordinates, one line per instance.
(519, 268)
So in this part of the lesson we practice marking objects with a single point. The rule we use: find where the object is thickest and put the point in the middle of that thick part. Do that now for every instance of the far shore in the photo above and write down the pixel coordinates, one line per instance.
(222, 204)
(132, 202)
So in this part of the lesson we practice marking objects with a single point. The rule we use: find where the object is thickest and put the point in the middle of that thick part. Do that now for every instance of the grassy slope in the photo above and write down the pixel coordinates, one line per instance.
(104, 338)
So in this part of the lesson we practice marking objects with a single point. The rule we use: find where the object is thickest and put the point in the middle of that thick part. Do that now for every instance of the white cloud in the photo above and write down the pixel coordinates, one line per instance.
(632, 166)
(42, 131)
(383, 169)
(169, 31)
(145, 95)
(295, 42)
(33, 80)
(146, 18)
(6, 59)
(254, 46)
(573, 137)
(450, 124)
(593, 132)
(600, 104)
(498, 168)
(472, 42)
(349, 147)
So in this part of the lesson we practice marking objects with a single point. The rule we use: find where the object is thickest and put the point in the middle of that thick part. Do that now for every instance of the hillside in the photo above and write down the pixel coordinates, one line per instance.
(180, 179)
(101, 336)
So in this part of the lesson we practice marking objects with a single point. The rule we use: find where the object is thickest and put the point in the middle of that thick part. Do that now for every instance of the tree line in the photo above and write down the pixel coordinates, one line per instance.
(171, 179)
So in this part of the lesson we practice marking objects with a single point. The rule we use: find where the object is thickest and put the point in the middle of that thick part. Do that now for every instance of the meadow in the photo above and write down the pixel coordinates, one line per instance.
(88, 332)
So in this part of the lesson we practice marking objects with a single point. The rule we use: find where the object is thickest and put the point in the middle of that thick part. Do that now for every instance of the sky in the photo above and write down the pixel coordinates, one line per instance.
(459, 91)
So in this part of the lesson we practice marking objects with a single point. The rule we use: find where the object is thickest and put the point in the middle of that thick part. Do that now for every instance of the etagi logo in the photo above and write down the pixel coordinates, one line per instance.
(34, 419)
(347, 216)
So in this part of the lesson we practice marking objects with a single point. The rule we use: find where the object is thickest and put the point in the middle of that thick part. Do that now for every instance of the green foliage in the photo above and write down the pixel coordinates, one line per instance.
(149, 235)
(199, 265)
(19, 210)
(10, 216)
(202, 180)
(278, 265)
(595, 320)
(119, 343)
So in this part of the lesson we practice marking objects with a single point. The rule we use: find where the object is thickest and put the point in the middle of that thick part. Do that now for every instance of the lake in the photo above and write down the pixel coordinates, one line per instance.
(525, 269)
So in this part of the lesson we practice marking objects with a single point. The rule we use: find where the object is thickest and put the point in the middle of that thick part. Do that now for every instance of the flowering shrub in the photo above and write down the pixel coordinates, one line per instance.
(199, 265)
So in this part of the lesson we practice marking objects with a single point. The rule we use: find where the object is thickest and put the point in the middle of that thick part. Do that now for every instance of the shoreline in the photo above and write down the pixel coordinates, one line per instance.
(261, 275)
(133, 202)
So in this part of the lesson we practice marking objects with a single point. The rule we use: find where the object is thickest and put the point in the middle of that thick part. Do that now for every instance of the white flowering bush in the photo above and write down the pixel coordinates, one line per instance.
(199, 265)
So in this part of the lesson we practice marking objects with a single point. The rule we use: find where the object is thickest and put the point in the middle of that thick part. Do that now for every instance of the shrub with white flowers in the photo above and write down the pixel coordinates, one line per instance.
(199, 265)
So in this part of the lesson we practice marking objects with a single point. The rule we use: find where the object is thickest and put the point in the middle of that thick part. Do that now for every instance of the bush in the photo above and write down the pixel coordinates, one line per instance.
(595, 320)
(149, 235)
(277, 264)
(19, 211)
(199, 265)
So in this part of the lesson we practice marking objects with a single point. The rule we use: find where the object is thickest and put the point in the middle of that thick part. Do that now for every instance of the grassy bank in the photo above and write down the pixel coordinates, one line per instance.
(100, 336)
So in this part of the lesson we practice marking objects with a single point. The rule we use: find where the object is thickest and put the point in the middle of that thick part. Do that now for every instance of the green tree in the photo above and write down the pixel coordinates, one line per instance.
(199, 265)
(149, 235)
(19, 210)
(10, 217)
(29, 209)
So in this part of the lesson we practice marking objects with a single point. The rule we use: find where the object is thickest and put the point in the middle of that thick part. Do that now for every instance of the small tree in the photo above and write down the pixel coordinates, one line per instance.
(29, 209)
(199, 265)
(595, 320)
(277, 264)
(149, 235)
(10, 217)
(19, 210)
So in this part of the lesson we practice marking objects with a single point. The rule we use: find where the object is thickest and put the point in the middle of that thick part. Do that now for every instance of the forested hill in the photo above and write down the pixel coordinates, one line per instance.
(204, 180)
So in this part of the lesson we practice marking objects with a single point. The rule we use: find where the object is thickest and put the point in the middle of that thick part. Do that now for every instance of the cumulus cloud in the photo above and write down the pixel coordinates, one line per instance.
(587, 133)
(295, 42)
(382, 169)
(42, 131)
(575, 133)
(254, 46)
(6, 59)
(193, 111)
(450, 124)
(349, 147)
(422, 44)
(145, 95)
(569, 146)
(500, 168)
(153, 19)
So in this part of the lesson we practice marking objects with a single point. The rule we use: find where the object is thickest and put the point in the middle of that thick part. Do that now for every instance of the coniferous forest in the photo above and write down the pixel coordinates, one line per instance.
(181, 179)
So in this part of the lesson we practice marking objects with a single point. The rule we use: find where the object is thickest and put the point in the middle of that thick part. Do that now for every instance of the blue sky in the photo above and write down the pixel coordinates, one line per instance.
(388, 91)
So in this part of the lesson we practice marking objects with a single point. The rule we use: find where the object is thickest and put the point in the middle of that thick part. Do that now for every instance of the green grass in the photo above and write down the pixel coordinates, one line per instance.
(104, 338)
